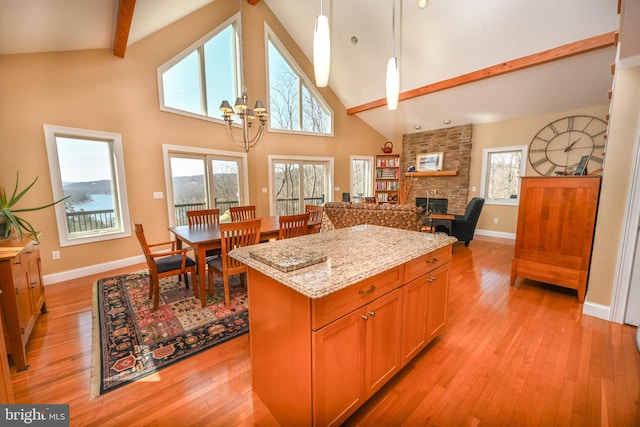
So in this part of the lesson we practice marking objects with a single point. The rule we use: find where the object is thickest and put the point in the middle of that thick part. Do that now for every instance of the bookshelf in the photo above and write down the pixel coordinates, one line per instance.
(387, 179)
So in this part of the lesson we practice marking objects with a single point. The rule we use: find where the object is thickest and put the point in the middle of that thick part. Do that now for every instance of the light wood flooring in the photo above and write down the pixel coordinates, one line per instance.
(508, 357)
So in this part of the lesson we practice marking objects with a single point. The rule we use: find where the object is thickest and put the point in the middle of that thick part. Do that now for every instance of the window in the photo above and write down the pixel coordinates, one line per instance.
(501, 171)
(294, 104)
(88, 167)
(196, 81)
(203, 179)
(361, 177)
(296, 182)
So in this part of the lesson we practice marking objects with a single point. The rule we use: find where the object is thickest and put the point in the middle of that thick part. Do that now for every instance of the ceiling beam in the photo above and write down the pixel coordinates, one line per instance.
(121, 36)
(561, 52)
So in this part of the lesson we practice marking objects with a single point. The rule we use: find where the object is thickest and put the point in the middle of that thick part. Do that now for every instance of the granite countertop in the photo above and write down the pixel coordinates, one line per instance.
(318, 264)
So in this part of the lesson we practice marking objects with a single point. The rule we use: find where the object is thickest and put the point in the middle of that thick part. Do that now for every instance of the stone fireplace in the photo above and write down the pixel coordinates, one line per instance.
(455, 143)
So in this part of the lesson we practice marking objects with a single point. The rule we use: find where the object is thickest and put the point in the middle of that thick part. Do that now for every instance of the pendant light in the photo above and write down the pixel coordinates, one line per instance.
(246, 115)
(321, 49)
(393, 70)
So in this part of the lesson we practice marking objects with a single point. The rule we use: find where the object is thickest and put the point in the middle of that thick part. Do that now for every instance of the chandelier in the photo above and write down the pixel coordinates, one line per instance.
(246, 115)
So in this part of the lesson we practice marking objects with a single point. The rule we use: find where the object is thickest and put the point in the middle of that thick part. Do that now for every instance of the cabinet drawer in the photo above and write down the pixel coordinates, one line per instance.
(327, 309)
(419, 266)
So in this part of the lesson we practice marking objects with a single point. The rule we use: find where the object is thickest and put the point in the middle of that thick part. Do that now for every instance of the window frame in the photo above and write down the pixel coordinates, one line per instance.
(235, 22)
(269, 35)
(486, 153)
(302, 160)
(66, 238)
(168, 150)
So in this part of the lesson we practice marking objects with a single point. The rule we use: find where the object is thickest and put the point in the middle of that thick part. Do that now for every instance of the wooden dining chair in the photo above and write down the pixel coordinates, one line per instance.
(315, 218)
(203, 216)
(293, 225)
(232, 235)
(164, 264)
(242, 213)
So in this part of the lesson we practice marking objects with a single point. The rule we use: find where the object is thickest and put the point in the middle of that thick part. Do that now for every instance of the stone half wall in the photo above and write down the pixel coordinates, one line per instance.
(455, 143)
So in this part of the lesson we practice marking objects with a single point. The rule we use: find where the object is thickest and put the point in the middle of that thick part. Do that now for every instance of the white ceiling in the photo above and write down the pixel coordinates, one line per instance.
(447, 39)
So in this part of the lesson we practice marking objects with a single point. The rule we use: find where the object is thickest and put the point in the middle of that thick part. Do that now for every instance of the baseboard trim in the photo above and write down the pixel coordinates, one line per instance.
(597, 310)
(492, 233)
(50, 279)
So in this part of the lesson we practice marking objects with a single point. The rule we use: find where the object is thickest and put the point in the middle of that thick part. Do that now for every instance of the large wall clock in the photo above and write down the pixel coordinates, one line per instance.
(562, 143)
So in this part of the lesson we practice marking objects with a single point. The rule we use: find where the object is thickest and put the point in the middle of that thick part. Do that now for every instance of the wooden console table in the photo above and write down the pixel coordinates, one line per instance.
(22, 296)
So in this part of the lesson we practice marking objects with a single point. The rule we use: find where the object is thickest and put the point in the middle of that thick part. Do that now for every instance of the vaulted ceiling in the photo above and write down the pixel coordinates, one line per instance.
(466, 61)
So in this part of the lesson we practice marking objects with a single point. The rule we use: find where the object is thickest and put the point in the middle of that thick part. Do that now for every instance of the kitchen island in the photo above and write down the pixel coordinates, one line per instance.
(333, 316)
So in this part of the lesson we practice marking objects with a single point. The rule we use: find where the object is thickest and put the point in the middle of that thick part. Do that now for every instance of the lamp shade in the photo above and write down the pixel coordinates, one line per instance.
(393, 83)
(321, 50)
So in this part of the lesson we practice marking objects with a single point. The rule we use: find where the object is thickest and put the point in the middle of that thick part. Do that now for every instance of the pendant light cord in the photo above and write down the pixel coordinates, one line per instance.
(244, 87)
(393, 29)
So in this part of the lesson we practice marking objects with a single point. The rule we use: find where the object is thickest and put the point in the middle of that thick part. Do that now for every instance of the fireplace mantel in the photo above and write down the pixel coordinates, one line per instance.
(433, 173)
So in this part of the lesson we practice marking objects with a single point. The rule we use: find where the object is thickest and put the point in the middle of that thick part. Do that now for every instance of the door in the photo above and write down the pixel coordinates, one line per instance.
(204, 181)
(632, 313)
(299, 182)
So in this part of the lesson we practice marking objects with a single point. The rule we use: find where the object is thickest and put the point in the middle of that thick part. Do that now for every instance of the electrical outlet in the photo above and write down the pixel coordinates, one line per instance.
(264, 190)
(337, 189)
(495, 220)
(55, 254)
(158, 194)
(473, 189)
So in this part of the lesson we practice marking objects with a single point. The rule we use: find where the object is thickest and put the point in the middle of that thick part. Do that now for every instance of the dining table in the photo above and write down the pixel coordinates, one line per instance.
(204, 237)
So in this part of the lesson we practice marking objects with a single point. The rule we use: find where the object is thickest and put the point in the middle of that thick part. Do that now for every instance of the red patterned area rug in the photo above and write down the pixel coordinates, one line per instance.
(131, 341)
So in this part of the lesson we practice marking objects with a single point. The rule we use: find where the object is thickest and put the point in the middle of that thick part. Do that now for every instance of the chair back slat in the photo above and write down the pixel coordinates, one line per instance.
(242, 213)
(315, 217)
(203, 216)
(293, 225)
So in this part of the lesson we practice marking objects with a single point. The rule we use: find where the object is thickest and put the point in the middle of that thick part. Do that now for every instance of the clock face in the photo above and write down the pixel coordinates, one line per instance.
(562, 143)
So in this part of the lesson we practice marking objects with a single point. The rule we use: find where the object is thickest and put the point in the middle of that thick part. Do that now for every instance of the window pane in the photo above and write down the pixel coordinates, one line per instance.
(314, 118)
(287, 188)
(87, 178)
(181, 85)
(189, 189)
(314, 184)
(504, 175)
(360, 179)
(220, 70)
(283, 93)
(226, 184)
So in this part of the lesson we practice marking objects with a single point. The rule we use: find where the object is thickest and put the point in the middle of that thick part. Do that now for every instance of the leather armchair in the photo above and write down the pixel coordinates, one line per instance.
(463, 226)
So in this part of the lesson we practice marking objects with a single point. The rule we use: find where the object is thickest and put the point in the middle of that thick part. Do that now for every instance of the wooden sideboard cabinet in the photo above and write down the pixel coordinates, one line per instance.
(315, 361)
(554, 237)
(22, 294)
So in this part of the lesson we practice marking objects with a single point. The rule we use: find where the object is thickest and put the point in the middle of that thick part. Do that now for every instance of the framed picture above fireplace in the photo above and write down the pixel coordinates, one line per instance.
(429, 162)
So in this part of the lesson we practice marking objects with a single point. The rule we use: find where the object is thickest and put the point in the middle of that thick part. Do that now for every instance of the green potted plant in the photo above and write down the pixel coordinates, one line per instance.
(8, 218)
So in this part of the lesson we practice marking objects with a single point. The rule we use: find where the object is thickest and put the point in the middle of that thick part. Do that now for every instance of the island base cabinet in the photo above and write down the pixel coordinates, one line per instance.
(354, 356)
(316, 361)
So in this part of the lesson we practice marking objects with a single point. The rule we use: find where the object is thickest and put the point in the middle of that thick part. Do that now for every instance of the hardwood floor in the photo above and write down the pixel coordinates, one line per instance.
(508, 356)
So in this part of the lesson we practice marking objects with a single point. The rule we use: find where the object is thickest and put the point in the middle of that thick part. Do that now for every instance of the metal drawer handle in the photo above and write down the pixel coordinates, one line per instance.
(372, 313)
(432, 279)
(368, 291)
(365, 317)
(432, 261)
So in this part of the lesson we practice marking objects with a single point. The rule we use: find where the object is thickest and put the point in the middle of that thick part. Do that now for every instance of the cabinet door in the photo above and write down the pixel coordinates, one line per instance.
(382, 346)
(414, 329)
(6, 388)
(438, 296)
(36, 286)
(338, 369)
(23, 300)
